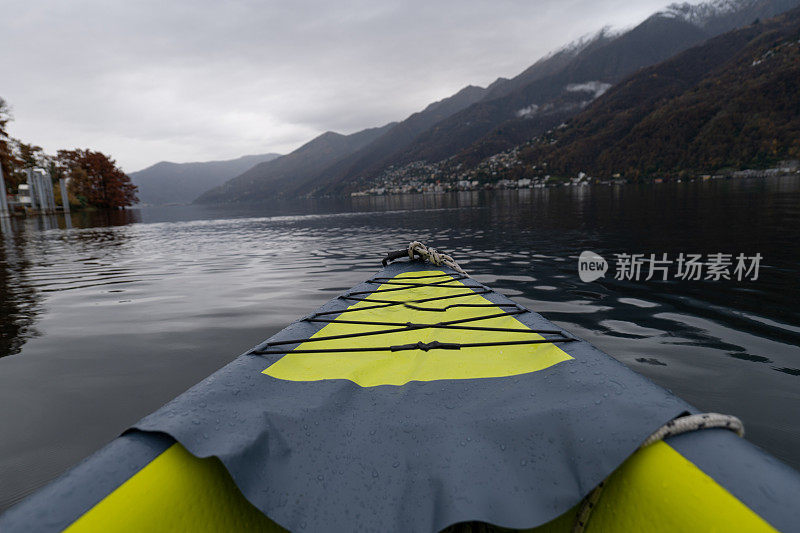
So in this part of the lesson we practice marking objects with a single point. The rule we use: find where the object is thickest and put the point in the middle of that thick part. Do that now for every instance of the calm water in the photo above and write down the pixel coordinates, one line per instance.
(104, 322)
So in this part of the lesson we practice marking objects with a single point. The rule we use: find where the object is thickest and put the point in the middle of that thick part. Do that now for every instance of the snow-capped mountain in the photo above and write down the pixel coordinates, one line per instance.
(701, 14)
(729, 102)
(718, 16)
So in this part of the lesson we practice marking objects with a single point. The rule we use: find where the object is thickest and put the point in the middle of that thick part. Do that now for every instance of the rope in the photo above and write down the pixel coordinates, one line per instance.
(432, 255)
(390, 303)
(689, 423)
(274, 347)
(677, 426)
(416, 346)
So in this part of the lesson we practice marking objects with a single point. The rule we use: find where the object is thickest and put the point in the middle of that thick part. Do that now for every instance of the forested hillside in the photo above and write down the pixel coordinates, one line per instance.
(732, 102)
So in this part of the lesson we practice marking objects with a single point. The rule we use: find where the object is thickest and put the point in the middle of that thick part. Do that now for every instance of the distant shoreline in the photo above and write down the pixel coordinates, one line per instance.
(554, 182)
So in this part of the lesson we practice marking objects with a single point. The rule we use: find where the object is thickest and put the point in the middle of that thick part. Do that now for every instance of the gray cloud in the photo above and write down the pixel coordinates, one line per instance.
(199, 80)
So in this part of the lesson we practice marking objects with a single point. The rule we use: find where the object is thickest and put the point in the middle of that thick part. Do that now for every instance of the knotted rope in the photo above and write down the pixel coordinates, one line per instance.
(425, 253)
(432, 255)
(677, 426)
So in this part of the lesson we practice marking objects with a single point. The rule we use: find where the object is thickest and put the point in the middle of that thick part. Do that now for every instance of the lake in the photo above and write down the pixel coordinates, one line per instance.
(105, 321)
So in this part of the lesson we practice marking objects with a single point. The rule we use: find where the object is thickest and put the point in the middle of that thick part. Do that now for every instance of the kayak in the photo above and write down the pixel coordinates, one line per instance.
(422, 400)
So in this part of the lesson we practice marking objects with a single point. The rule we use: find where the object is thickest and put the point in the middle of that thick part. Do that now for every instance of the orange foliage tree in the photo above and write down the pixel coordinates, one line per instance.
(6, 158)
(96, 180)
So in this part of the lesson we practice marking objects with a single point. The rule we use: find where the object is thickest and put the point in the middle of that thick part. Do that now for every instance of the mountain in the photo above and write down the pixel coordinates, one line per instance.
(495, 125)
(731, 102)
(720, 16)
(553, 90)
(293, 173)
(305, 170)
(550, 64)
(375, 154)
(180, 183)
(546, 102)
(476, 123)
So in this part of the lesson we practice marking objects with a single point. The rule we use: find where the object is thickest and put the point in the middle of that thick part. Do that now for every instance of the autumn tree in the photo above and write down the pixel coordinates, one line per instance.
(6, 158)
(96, 180)
(31, 156)
(16, 156)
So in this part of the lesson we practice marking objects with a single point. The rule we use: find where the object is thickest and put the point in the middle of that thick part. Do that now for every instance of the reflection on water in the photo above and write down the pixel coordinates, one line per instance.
(111, 315)
(32, 263)
(19, 301)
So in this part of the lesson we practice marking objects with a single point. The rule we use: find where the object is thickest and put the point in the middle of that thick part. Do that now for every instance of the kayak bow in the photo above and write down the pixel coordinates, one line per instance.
(422, 400)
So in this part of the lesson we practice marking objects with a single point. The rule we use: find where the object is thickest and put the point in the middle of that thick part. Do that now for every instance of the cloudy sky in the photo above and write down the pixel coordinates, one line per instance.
(199, 80)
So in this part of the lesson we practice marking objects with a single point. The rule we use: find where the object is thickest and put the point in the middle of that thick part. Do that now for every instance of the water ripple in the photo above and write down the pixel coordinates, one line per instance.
(104, 322)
